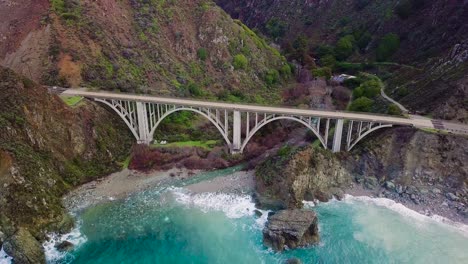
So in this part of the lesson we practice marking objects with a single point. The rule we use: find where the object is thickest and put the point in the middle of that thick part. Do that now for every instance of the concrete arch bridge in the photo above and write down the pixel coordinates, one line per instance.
(238, 123)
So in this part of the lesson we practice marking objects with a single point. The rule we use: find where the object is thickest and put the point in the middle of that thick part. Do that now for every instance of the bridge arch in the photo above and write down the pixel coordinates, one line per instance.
(213, 121)
(352, 143)
(272, 119)
(123, 113)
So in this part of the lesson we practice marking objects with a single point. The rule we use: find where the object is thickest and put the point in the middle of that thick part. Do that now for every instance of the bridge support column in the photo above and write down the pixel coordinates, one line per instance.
(143, 130)
(337, 136)
(236, 133)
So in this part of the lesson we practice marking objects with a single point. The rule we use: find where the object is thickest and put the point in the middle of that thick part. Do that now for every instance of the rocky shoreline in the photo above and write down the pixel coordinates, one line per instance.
(425, 201)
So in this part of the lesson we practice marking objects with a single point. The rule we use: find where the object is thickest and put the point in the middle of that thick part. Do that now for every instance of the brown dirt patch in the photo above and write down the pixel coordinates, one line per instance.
(70, 69)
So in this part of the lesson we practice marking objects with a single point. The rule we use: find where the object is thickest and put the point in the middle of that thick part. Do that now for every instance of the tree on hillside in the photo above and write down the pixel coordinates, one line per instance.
(362, 104)
(369, 89)
(276, 28)
(388, 45)
(344, 47)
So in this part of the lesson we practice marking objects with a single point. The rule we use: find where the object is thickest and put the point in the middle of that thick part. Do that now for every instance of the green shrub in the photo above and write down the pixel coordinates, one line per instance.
(58, 6)
(328, 61)
(202, 54)
(393, 109)
(369, 89)
(194, 89)
(402, 91)
(388, 45)
(240, 62)
(276, 28)
(286, 70)
(362, 104)
(363, 40)
(272, 77)
(344, 47)
(284, 151)
(322, 72)
(324, 50)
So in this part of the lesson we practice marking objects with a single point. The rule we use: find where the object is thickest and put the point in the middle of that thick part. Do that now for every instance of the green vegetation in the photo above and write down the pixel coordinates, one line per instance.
(369, 89)
(362, 104)
(125, 163)
(276, 28)
(240, 62)
(71, 100)
(284, 150)
(286, 71)
(272, 77)
(388, 45)
(67, 9)
(344, 47)
(322, 72)
(328, 61)
(393, 109)
(202, 54)
(207, 145)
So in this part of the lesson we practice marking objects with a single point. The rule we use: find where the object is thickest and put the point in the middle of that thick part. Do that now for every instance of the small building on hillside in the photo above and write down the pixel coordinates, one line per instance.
(341, 78)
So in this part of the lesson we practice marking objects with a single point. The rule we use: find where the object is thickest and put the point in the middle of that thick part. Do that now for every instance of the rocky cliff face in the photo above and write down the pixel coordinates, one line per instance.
(410, 166)
(307, 174)
(46, 148)
(178, 48)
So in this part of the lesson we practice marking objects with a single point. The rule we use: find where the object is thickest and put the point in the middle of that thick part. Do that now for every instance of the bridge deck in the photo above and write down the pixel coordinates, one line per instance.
(420, 123)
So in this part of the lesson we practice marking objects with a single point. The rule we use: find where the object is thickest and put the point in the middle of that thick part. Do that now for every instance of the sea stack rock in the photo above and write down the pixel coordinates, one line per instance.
(291, 229)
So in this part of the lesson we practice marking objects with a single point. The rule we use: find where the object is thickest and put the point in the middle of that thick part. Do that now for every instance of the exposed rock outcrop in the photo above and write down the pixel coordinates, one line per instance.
(64, 246)
(24, 248)
(307, 174)
(403, 164)
(289, 229)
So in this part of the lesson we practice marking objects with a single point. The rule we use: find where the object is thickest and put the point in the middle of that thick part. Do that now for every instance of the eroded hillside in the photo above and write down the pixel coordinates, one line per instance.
(178, 48)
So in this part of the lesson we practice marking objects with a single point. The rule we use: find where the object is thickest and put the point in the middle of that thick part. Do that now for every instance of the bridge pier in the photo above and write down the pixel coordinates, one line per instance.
(236, 133)
(143, 129)
(337, 136)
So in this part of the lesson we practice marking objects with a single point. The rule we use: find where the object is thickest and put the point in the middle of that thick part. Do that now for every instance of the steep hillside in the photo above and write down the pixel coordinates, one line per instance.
(427, 35)
(178, 48)
(46, 148)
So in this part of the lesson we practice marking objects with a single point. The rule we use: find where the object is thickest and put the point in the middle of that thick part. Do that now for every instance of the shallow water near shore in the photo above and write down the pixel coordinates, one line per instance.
(172, 225)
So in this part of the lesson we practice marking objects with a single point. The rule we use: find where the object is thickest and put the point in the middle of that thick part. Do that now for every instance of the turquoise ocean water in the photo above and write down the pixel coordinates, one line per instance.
(171, 225)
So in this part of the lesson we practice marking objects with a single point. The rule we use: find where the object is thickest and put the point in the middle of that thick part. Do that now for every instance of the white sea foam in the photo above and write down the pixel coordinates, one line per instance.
(405, 211)
(52, 254)
(234, 206)
(4, 258)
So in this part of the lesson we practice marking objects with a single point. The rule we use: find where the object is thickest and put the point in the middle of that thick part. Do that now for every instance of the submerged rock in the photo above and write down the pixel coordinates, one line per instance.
(64, 246)
(291, 229)
(293, 261)
(24, 248)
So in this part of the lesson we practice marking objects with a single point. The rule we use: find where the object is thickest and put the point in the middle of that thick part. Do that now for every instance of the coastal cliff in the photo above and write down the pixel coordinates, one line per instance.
(409, 166)
(47, 148)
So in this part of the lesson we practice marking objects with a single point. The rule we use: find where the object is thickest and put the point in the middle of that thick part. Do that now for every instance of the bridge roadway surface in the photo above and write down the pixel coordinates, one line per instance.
(414, 121)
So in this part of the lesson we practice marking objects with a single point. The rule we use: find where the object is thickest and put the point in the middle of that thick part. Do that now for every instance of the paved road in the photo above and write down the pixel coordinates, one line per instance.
(384, 95)
(419, 123)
